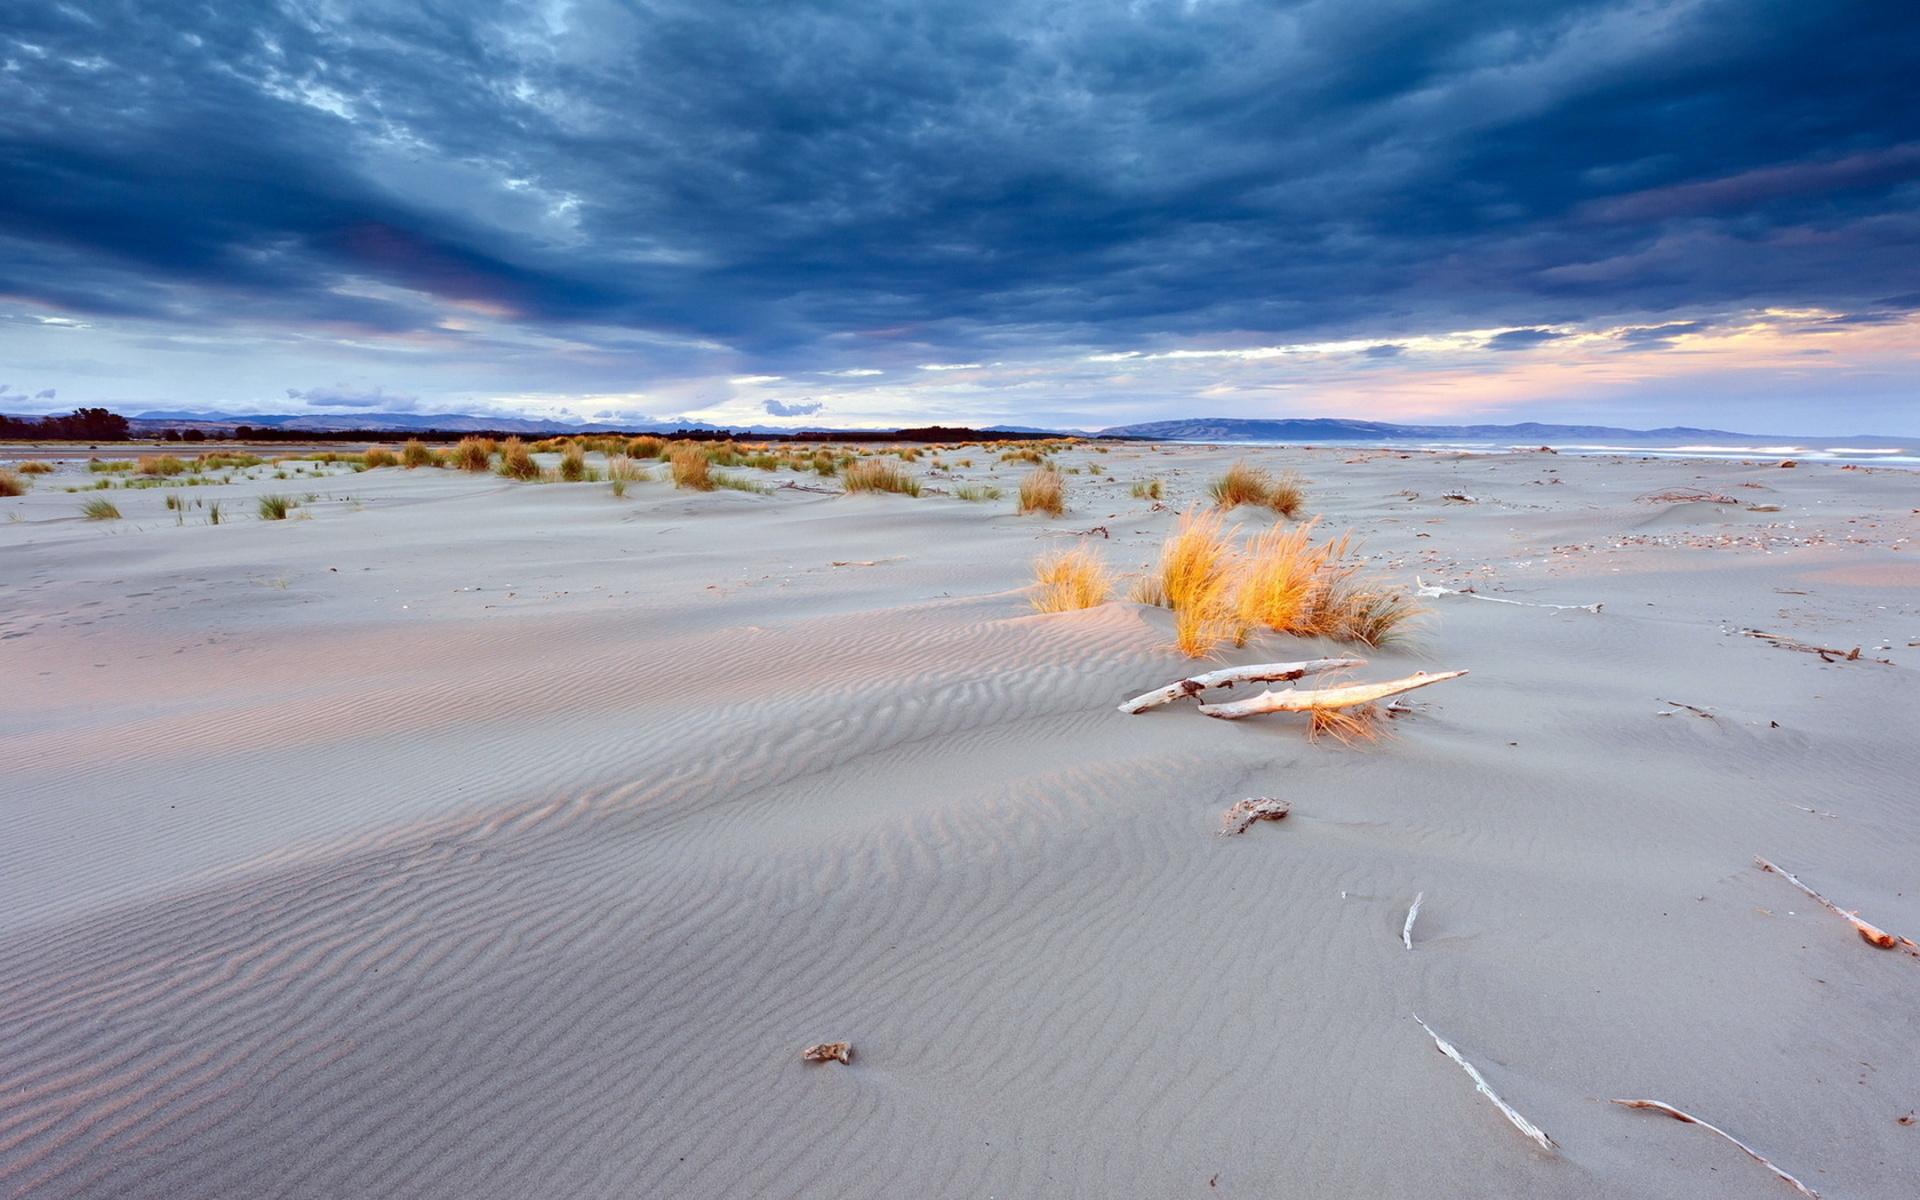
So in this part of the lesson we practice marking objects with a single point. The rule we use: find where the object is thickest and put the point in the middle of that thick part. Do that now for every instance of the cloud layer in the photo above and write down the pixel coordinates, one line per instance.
(695, 207)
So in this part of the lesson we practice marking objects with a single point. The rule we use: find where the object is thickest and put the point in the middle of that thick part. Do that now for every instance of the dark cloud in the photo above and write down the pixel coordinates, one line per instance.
(842, 184)
(804, 408)
(1523, 339)
(1385, 350)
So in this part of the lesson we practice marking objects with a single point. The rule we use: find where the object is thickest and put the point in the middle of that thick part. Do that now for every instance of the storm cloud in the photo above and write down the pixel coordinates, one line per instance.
(597, 199)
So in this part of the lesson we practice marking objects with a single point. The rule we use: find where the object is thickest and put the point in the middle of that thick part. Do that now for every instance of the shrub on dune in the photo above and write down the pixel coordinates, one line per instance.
(472, 454)
(516, 461)
(1070, 580)
(691, 467)
(1043, 491)
(875, 475)
(415, 454)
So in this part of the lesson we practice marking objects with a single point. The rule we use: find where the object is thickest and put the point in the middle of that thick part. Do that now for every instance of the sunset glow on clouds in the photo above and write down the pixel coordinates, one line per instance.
(1077, 214)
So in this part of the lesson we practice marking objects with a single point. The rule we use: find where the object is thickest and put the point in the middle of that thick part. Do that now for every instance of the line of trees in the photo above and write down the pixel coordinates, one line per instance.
(80, 425)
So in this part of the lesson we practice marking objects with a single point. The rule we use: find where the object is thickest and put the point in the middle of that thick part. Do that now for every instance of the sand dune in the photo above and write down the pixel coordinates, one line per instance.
(482, 839)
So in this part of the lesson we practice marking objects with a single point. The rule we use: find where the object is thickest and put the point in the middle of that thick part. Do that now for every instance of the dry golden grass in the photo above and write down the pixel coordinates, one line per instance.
(1364, 611)
(472, 454)
(1287, 495)
(692, 467)
(379, 456)
(1199, 569)
(100, 510)
(1145, 489)
(1070, 580)
(1278, 581)
(1346, 725)
(1043, 490)
(1245, 483)
(414, 453)
(11, 484)
(646, 447)
(573, 462)
(877, 475)
(160, 464)
(516, 461)
(35, 468)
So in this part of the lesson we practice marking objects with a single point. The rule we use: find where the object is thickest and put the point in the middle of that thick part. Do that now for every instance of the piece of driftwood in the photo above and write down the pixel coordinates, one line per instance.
(1193, 685)
(1309, 699)
(1099, 529)
(1432, 591)
(840, 1052)
(1872, 935)
(1413, 913)
(1692, 708)
(1826, 653)
(1459, 497)
(1244, 813)
(1536, 1134)
(1749, 1151)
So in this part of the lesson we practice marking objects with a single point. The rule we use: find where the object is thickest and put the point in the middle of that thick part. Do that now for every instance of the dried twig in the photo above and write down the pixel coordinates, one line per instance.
(1406, 931)
(1826, 653)
(1873, 935)
(840, 1052)
(1434, 590)
(1228, 676)
(1750, 1152)
(1255, 808)
(1099, 529)
(1532, 1131)
(1309, 699)
(1692, 708)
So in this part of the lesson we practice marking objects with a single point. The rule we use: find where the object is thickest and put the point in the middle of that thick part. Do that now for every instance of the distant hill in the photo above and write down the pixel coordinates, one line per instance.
(1323, 429)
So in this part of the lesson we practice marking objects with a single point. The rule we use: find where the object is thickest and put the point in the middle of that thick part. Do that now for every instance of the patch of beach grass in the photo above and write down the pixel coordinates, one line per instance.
(877, 475)
(976, 492)
(472, 454)
(11, 484)
(275, 507)
(100, 509)
(691, 467)
(1068, 580)
(516, 461)
(414, 453)
(1043, 491)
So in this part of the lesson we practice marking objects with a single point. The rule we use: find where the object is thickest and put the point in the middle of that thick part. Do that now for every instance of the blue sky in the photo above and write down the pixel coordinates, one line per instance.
(1056, 213)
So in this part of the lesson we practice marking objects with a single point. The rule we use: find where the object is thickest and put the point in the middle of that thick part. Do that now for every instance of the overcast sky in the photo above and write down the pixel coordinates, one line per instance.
(1049, 212)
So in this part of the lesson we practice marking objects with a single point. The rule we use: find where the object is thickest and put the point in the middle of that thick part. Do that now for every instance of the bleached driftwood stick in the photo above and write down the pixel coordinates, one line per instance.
(1193, 685)
(1244, 813)
(1432, 591)
(1750, 1152)
(1406, 931)
(1532, 1131)
(1308, 699)
(1873, 935)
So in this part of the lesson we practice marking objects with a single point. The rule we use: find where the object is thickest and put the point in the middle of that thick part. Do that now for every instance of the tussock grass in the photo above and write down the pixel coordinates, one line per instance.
(1346, 725)
(472, 454)
(100, 510)
(874, 475)
(275, 507)
(35, 467)
(378, 456)
(213, 512)
(108, 466)
(573, 462)
(976, 492)
(414, 453)
(738, 484)
(1351, 608)
(1026, 454)
(1069, 580)
(221, 460)
(516, 461)
(1145, 489)
(1245, 483)
(647, 447)
(1199, 573)
(161, 464)
(825, 464)
(692, 468)
(1280, 579)
(1043, 490)
(11, 484)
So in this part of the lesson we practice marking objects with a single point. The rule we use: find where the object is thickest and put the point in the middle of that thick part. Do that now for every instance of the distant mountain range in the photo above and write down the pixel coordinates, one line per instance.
(159, 419)
(1233, 429)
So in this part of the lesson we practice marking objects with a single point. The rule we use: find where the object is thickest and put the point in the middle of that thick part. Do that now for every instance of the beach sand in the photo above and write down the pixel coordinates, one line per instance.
(466, 838)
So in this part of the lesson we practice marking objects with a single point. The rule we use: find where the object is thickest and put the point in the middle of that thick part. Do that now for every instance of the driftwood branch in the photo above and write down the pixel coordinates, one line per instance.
(1750, 1152)
(1431, 591)
(1310, 699)
(1873, 935)
(1244, 813)
(1228, 676)
(1826, 653)
(1536, 1134)
(1406, 931)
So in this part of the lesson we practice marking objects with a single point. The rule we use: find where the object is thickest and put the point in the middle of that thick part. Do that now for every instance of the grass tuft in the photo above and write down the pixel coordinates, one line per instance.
(1043, 491)
(1146, 489)
(100, 510)
(516, 461)
(691, 467)
(276, 507)
(1279, 582)
(35, 467)
(573, 462)
(11, 484)
(161, 464)
(1070, 580)
(876, 475)
(473, 454)
(1197, 575)
(646, 447)
(977, 491)
(414, 453)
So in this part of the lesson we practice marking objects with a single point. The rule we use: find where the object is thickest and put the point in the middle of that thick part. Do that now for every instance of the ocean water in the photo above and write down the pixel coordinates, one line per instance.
(1882, 456)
